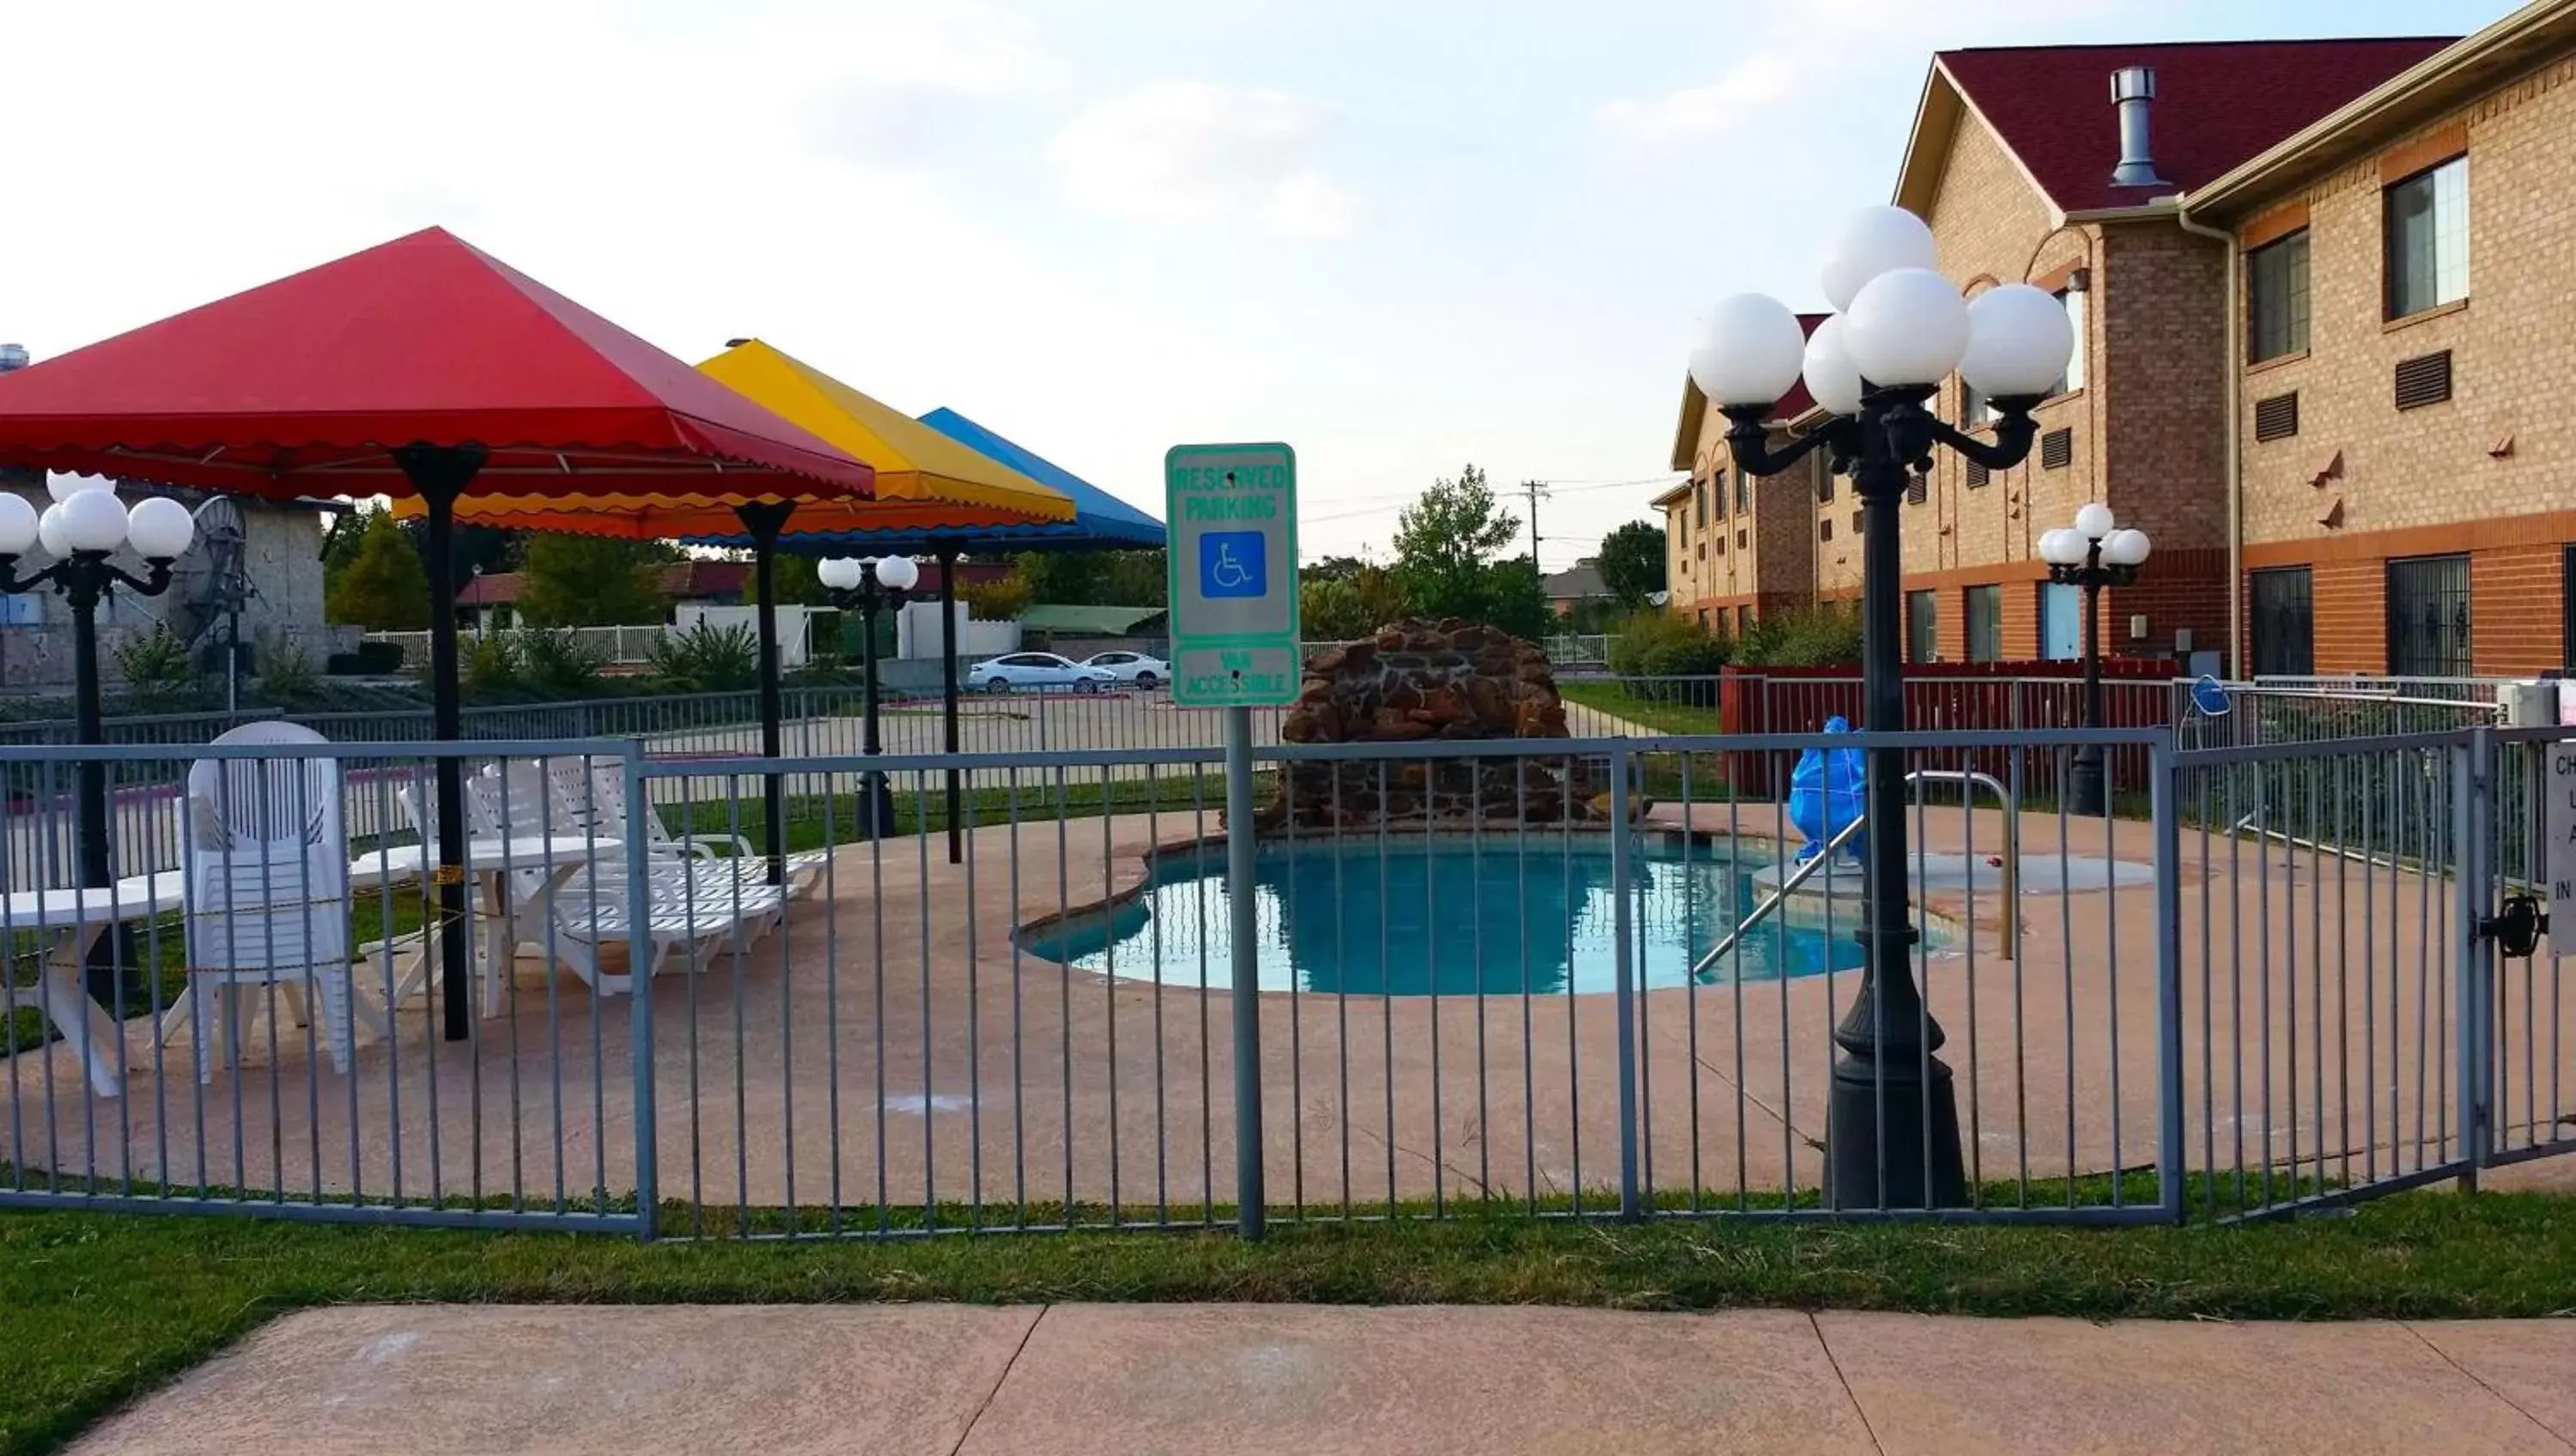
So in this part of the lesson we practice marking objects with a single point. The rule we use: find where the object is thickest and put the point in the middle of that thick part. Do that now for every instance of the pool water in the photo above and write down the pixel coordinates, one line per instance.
(1450, 916)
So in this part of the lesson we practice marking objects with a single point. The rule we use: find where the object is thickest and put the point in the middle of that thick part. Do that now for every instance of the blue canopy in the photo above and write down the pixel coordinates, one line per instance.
(1101, 521)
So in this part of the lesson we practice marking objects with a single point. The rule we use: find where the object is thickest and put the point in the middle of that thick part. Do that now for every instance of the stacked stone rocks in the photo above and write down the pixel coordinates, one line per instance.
(1427, 681)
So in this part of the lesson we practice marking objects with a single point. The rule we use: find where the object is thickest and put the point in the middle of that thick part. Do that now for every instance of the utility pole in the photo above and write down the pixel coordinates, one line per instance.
(1535, 488)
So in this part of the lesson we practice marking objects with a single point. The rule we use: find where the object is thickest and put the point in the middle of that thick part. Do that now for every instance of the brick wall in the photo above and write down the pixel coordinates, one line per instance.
(2483, 474)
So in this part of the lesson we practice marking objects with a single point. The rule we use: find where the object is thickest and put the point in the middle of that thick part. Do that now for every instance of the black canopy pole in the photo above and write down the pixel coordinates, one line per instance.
(947, 553)
(764, 519)
(440, 473)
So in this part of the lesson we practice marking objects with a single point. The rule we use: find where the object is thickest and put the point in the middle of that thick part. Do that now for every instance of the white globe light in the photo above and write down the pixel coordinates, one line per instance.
(1832, 379)
(2095, 520)
(160, 528)
(840, 573)
(1753, 351)
(1872, 241)
(2126, 547)
(49, 532)
(17, 525)
(93, 521)
(1908, 326)
(898, 573)
(2055, 546)
(64, 487)
(2019, 341)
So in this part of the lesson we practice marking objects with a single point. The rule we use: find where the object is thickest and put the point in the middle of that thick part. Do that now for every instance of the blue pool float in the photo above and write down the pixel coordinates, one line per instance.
(1825, 795)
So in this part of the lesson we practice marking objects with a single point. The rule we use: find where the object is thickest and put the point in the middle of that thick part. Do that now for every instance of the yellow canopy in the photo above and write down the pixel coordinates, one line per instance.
(924, 480)
(912, 460)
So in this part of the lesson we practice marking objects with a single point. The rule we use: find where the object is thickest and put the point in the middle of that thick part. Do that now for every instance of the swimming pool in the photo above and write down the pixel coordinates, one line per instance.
(1451, 916)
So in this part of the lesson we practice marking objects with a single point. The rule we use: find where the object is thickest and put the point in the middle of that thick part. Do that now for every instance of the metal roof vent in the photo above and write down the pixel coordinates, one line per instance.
(12, 356)
(2133, 90)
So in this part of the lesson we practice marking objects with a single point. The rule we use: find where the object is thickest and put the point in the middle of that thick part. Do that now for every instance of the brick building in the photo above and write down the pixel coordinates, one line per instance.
(2403, 366)
(1737, 546)
(2011, 161)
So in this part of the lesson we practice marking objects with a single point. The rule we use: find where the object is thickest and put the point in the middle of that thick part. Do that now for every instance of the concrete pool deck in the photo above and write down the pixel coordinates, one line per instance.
(890, 1043)
(1298, 1380)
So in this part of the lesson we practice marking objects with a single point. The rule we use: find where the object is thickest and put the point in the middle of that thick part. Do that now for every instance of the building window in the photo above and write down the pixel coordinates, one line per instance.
(1856, 515)
(1922, 634)
(1824, 479)
(2073, 379)
(1974, 408)
(2057, 448)
(2283, 622)
(2276, 303)
(1721, 545)
(1985, 624)
(1824, 530)
(2428, 617)
(1743, 487)
(2427, 237)
(1743, 622)
(1739, 540)
(1702, 494)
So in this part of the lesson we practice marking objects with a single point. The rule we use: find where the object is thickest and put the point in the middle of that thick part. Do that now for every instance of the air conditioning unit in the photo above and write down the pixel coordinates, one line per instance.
(2529, 704)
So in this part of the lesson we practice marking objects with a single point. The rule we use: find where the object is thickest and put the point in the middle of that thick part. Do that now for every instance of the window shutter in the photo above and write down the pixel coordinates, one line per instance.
(2277, 418)
(2424, 379)
(1918, 489)
(1978, 475)
(2057, 449)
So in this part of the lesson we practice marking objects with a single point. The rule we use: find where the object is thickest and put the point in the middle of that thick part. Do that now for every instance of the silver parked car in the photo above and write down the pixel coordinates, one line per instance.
(1038, 670)
(1133, 668)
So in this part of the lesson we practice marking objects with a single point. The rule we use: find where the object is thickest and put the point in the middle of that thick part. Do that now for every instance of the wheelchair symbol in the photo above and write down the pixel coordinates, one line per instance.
(1233, 564)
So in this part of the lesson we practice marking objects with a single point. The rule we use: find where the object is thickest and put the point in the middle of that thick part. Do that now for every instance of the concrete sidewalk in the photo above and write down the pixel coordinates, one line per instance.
(1135, 1380)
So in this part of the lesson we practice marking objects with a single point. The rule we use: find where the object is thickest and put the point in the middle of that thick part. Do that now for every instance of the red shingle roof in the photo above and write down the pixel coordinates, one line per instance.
(2217, 104)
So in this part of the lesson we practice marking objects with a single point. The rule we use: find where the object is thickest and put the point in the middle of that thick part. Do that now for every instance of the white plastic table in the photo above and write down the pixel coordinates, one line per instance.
(77, 918)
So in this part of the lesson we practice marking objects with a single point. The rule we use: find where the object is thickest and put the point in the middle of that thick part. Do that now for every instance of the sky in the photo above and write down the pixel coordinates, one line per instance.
(1401, 235)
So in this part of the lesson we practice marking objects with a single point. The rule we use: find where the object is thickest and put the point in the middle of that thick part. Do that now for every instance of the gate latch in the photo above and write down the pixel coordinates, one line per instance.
(2517, 927)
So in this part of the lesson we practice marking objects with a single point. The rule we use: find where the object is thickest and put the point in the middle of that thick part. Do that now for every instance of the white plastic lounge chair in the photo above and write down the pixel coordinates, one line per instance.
(594, 907)
(267, 890)
(600, 792)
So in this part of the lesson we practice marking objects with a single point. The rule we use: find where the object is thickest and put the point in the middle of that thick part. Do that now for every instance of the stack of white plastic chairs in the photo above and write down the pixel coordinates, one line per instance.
(267, 890)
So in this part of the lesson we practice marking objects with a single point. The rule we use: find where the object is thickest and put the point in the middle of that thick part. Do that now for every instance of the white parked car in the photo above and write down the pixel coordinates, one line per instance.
(1134, 668)
(1038, 670)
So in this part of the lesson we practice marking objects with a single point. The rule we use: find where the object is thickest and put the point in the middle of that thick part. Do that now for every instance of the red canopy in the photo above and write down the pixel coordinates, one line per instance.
(302, 386)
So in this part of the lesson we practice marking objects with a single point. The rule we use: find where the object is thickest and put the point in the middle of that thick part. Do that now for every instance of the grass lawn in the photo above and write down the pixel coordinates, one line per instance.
(95, 1309)
(1660, 715)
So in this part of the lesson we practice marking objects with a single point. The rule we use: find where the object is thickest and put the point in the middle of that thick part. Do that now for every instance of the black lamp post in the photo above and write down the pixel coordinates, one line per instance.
(2096, 552)
(872, 585)
(81, 530)
(1892, 1122)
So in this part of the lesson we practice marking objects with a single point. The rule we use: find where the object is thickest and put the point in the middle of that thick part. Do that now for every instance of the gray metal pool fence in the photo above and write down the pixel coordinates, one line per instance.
(1494, 979)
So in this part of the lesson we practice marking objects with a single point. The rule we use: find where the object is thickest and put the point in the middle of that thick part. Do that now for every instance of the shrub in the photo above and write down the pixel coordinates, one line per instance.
(372, 659)
(1820, 636)
(995, 601)
(1653, 644)
(492, 665)
(287, 677)
(705, 659)
(557, 661)
(157, 669)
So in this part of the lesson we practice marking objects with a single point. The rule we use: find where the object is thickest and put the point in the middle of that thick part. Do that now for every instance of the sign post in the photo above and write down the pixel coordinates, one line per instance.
(1232, 513)
(2559, 823)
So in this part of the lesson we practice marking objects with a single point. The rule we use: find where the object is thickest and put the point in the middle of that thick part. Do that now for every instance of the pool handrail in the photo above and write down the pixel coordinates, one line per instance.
(1799, 876)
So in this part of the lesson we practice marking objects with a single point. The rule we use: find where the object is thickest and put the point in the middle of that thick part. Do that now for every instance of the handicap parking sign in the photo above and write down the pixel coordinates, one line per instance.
(1233, 564)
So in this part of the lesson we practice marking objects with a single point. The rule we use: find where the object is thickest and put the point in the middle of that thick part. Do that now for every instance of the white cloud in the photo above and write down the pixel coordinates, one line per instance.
(1784, 75)
(1186, 151)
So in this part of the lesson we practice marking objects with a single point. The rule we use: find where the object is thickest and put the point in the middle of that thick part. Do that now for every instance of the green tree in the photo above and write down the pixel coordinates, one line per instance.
(1335, 568)
(1444, 548)
(591, 581)
(1632, 563)
(798, 583)
(1344, 608)
(382, 588)
(1515, 599)
(1094, 578)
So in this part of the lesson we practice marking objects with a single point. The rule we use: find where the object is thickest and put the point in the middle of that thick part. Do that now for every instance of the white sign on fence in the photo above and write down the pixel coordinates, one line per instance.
(2561, 824)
